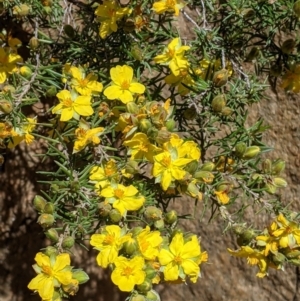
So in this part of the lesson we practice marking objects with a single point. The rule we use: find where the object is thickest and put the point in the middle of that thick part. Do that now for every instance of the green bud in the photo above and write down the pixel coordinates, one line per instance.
(152, 214)
(279, 182)
(138, 298)
(25, 71)
(49, 208)
(115, 215)
(293, 254)
(132, 107)
(80, 276)
(267, 166)
(171, 217)
(218, 103)
(170, 125)
(71, 288)
(145, 287)
(226, 111)
(47, 10)
(137, 52)
(163, 136)
(46, 220)
(21, 10)
(296, 9)
(204, 176)
(278, 166)
(132, 167)
(145, 125)
(34, 43)
(160, 224)
(51, 251)
(9, 89)
(251, 152)
(51, 92)
(104, 209)
(5, 107)
(192, 167)
(69, 31)
(68, 242)
(152, 296)
(253, 53)
(52, 235)
(220, 78)
(136, 231)
(295, 262)
(270, 188)
(238, 229)
(150, 272)
(248, 235)
(208, 166)
(279, 258)
(190, 114)
(240, 149)
(288, 46)
(130, 246)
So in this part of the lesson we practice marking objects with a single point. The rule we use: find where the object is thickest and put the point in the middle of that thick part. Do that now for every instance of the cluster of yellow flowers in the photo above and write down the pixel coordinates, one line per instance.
(278, 244)
(140, 257)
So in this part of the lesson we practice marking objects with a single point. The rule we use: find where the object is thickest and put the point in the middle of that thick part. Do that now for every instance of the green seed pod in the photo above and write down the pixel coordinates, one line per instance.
(170, 125)
(160, 224)
(279, 258)
(104, 209)
(46, 220)
(137, 52)
(163, 136)
(295, 262)
(130, 246)
(115, 215)
(279, 182)
(226, 111)
(208, 166)
(5, 107)
(204, 176)
(218, 103)
(68, 242)
(251, 152)
(293, 254)
(296, 8)
(253, 53)
(152, 214)
(69, 31)
(190, 114)
(52, 234)
(270, 188)
(49, 208)
(51, 92)
(132, 167)
(145, 125)
(34, 43)
(220, 78)
(132, 107)
(278, 166)
(171, 217)
(145, 287)
(267, 166)
(248, 235)
(51, 251)
(152, 296)
(39, 203)
(288, 46)
(80, 276)
(240, 149)
(150, 272)
(192, 167)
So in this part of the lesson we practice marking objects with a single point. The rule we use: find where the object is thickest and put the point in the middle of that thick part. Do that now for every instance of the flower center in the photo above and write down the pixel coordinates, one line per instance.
(83, 82)
(125, 85)
(47, 270)
(170, 3)
(127, 271)
(166, 161)
(109, 239)
(119, 193)
(178, 260)
(143, 147)
(67, 102)
(144, 245)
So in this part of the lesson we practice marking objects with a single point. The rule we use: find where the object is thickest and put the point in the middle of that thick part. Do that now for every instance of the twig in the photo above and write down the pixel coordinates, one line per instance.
(241, 72)
(190, 19)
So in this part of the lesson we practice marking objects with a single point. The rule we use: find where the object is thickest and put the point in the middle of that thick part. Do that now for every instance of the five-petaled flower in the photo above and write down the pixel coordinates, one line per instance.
(123, 85)
(163, 6)
(72, 106)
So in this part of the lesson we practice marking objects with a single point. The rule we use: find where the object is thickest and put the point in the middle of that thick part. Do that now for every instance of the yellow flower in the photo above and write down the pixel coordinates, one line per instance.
(86, 136)
(173, 56)
(288, 233)
(291, 79)
(140, 147)
(269, 242)
(128, 273)
(103, 176)
(6, 130)
(84, 84)
(109, 242)
(123, 86)
(71, 105)
(52, 272)
(254, 257)
(168, 167)
(168, 5)
(8, 63)
(123, 198)
(109, 13)
(182, 259)
(183, 80)
(222, 196)
(23, 133)
(149, 242)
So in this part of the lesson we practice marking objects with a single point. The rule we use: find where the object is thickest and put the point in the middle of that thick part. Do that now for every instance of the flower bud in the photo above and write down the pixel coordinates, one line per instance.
(160, 224)
(190, 114)
(145, 125)
(34, 43)
(171, 217)
(52, 235)
(152, 214)
(51, 251)
(71, 288)
(278, 166)
(296, 9)
(47, 10)
(9, 89)
(68, 242)
(51, 92)
(49, 208)
(193, 190)
(240, 149)
(39, 203)
(192, 167)
(69, 31)
(25, 71)
(80, 276)
(295, 262)
(218, 103)
(248, 235)
(238, 229)
(170, 125)
(293, 254)
(288, 46)
(279, 182)
(145, 287)
(132, 107)
(130, 246)
(220, 78)
(270, 188)
(152, 296)
(208, 166)
(55, 188)
(136, 231)
(251, 152)
(279, 258)
(253, 53)
(115, 215)
(150, 272)
(46, 220)
(104, 209)
(163, 136)
(137, 52)
(138, 298)
(5, 107)
(267, 166)
(226, 111)
(21, 10)
(204, 176)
